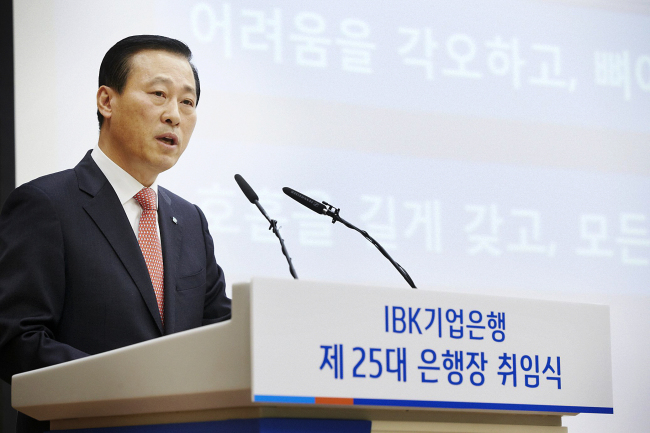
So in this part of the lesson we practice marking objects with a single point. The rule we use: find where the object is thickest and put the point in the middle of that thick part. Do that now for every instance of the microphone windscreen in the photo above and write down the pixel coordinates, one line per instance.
(305, 201)
(246, 188)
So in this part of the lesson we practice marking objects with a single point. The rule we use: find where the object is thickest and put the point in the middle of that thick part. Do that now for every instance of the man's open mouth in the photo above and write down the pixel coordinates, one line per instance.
(168, 138)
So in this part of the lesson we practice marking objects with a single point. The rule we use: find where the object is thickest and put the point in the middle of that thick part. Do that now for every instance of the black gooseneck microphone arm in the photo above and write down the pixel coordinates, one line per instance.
(252, 197)
(325, 208)
(274, 226)
(333, 212)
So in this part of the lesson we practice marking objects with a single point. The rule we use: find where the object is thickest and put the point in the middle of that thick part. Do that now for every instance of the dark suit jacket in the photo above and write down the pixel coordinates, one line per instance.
(73, 280)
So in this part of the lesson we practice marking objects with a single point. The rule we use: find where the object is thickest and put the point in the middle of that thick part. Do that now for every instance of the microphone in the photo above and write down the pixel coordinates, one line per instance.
(332, 212)
(305, 201)
(253, 198)
(246, 188)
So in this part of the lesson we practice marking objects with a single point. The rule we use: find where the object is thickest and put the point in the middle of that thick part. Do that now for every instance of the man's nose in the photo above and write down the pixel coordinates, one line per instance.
(171, 115)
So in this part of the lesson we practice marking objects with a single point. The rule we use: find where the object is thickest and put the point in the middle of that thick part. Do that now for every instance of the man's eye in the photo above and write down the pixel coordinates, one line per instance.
(189, 102)
(161, 94)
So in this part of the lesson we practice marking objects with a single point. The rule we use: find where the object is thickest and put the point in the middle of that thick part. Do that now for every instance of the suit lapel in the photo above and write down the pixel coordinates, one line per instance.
(171, 230)
(107, 212)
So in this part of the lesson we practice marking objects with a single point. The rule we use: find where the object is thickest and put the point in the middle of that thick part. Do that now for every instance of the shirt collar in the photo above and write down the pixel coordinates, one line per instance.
(125, 185)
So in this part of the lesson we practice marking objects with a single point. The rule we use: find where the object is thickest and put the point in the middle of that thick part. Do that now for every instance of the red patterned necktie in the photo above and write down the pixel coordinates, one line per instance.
(150, 244)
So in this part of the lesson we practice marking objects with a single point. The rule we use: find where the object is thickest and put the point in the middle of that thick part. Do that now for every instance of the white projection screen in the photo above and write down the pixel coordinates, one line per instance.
(496, 147)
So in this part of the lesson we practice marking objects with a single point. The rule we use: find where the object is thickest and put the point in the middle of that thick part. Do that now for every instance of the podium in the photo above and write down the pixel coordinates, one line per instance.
(307, 356)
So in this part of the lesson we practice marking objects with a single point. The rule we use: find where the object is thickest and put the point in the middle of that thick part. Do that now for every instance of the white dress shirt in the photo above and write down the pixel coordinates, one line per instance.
(125, 187)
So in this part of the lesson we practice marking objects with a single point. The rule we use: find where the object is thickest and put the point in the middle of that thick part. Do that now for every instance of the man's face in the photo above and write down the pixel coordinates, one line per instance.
(151, 121)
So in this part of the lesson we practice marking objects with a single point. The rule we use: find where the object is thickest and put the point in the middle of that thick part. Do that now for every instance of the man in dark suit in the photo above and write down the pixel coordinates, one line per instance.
(100, 257)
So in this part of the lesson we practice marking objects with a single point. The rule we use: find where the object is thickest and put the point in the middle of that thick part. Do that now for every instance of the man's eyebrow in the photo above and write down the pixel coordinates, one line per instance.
(168, 81)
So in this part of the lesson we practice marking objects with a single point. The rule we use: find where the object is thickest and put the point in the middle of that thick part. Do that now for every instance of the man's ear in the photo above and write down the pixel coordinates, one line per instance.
(104, 101)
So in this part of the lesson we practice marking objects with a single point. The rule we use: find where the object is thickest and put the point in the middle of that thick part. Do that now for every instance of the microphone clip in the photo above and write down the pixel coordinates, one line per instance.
(332, 211)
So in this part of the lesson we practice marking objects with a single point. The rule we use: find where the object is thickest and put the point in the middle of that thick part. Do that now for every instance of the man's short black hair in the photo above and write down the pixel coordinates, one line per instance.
(116, 65)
